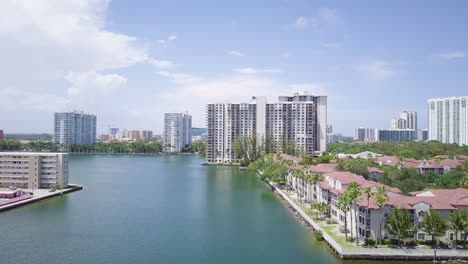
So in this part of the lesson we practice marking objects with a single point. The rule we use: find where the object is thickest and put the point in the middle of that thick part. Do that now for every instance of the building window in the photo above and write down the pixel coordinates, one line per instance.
(451, 237)
(420, 213)
(422, 236)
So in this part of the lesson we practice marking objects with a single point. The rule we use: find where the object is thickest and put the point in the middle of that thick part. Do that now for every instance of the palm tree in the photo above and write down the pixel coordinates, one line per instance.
(354, 196)
(298, 174)
(316, 207)
(381, 198)
(342, 204)
(368, 194)
(316, 179)
(458, 222)
(323, 208)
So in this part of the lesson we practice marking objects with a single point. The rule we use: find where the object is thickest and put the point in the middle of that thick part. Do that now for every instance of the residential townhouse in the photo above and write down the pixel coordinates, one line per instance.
(335, 183)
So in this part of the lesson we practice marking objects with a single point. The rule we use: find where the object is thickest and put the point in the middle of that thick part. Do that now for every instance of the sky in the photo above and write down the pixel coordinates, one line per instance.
(128, 62)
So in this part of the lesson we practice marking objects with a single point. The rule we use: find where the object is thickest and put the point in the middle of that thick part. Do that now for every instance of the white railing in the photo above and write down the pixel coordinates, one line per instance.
(383, 252)
(307, 218)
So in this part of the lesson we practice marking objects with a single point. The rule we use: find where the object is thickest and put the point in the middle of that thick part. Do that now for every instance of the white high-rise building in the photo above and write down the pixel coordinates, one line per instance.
(177, 131)
(364, 134)
(406, 120)
(448, 120)
(300, 120)
(75, 128)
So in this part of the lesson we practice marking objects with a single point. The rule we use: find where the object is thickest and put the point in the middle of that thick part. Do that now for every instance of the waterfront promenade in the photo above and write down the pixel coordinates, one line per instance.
(39, 195)
(373, 253)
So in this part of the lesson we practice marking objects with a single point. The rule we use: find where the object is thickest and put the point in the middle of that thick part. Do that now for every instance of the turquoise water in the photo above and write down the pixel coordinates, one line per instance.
(158, 209)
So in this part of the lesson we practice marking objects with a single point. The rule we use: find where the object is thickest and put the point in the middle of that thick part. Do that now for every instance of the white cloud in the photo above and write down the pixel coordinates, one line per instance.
(60, 54)
(161, 64)
(329, 16)
(331, 45)
(237, 53)
(302, 22)
(377, 70)
(195, 91)
(449, 55)
(256, 71)
(323, 17)
(14, 100)
(285, 55)
(311, 88)
(165, 42)
(86, 83)
(178, 78)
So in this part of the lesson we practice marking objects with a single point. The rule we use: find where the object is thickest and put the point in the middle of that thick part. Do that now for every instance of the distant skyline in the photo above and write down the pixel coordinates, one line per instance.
(129, 62)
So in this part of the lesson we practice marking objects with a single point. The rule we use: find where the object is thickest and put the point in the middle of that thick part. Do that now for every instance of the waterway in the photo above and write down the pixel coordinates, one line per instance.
(158, 209)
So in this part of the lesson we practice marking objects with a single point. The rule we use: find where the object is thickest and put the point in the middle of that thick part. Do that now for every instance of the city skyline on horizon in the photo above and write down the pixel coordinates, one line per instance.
(129, 64)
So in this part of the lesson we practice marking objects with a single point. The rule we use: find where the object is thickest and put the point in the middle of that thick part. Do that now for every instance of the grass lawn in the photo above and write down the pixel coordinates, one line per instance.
(339, 238)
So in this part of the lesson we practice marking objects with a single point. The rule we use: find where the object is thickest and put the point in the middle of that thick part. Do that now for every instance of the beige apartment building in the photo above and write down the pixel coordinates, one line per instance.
(33, 170)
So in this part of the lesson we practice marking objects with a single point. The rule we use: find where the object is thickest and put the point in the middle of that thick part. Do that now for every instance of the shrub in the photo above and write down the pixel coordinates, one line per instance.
(370, 241)
(420, 241)
(386, 241)
(318, 235)
(410, 243)
(394, 242)
(330, 221)
(428, 242)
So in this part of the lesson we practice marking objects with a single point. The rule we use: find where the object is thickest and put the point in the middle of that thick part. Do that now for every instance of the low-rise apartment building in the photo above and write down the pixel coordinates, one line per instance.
(370, 217)
(33, 170)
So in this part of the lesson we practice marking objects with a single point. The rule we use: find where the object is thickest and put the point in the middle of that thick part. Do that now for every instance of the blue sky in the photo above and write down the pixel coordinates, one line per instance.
(129, 62)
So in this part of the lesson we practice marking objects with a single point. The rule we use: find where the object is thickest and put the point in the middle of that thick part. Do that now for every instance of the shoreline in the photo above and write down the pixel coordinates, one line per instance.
(72, 188)
(369, 253)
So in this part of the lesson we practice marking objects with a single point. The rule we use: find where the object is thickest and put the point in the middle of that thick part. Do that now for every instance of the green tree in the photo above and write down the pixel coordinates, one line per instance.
(434, 224)
(354, 192)
(381, 198)
(400, 224)
(307, 160)
(316, 208)
(458, 222)
(358, 166)
(368, 194)
(246, 149)
(343, 205)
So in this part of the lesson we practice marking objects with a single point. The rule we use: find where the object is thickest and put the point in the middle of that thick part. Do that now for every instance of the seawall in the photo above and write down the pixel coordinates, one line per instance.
(72, 188)
(371, 253)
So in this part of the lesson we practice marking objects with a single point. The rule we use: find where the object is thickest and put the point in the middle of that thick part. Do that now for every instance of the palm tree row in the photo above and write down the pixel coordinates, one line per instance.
(399, 223)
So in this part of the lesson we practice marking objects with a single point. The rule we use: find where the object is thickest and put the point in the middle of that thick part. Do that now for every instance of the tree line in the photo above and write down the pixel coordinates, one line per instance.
(406, 149)
(249, 148)
(113, 147)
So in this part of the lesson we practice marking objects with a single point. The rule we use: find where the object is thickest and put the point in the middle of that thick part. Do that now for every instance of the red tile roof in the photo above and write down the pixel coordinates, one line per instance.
(438, 199)
(386, 161)
(323, 168)
(374, 170)
(290, 157)
(429, 164)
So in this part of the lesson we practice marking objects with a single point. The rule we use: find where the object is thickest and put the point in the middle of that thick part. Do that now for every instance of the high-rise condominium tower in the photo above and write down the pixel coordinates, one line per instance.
(406, 120)
(448, 119)
(300, 119)
(75, 128)
(177, 131)
(364, 134)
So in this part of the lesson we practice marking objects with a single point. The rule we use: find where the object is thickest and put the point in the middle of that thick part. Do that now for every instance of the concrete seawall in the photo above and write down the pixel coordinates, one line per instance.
(371, 253)
(72, 188)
